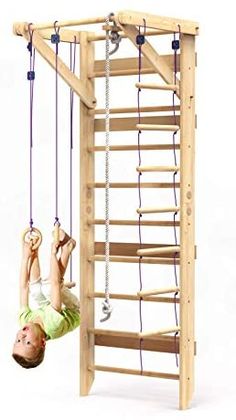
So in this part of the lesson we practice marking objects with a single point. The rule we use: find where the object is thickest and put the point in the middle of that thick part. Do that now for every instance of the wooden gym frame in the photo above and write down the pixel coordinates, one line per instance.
(127, 22)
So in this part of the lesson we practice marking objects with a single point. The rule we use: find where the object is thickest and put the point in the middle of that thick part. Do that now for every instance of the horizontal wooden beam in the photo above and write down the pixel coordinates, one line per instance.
(129, 17)
(157, 168)
(130, 249)
(70, 78)
(134, 147)
(157, 127)
(123, 296)
(159, 332)
(149, 210)
(130, 123)
(130, 110)
(130, 67)
(134, 372)
(159, 250)
(125, 222)
(59, 24)
(135, 260)
(156, 86)
(92, 36)
(135, 185)
(130, 340)
(160, 291)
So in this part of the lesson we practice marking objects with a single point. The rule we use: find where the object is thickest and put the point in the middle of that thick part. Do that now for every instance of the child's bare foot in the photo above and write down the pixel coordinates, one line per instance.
(63, 237)
(70, 245)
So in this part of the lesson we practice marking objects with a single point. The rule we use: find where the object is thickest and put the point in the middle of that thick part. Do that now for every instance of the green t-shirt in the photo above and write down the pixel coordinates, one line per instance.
(56, 324)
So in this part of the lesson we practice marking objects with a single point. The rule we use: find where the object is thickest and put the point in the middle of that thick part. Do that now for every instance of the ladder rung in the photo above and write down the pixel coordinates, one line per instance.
(124, 222)
(157, 127)
(150, 260)
(134, 147)
(130, 110)
(145, 210)
(122, 296)
(133, 372)
(159, 332)
(134, 185)
(156, 86)
(157, 168)
(161, 291)
(159, 250)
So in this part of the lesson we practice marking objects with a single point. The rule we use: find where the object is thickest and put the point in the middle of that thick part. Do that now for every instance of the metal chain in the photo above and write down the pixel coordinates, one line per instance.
(106, 307)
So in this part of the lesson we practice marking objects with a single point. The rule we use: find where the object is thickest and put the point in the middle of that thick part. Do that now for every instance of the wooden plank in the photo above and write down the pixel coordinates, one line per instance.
(135, 260)
(135, 372)
(187, 122)
(130, 249)
(121, 339)
(135, 185)
(123, 296)
(157, 127)
(130, 123)
(129, 66)
(83, 91)
(151, 54)
(86, 231)
(123, 147)
(157, 22)
(126, 222)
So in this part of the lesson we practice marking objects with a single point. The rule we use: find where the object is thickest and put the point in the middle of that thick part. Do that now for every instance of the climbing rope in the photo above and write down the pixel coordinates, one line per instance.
(106, 306)
(140, 40)
(71, 138)
(31, 78)
(175, 47)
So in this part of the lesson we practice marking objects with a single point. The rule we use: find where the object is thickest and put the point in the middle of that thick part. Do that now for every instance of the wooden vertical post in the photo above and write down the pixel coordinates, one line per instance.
(187, 134)
(86, 230)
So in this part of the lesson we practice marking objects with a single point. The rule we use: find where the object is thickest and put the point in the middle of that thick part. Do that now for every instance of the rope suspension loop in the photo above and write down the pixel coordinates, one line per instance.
(55, 39)
(31, 77)
(175, 47)
(140, 40)
(72, 69)
(106, 306)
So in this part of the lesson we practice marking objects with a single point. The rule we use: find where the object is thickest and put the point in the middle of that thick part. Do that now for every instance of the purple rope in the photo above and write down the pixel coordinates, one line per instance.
(32, 65)
(56, 128)
(176, 204)
(72, 68)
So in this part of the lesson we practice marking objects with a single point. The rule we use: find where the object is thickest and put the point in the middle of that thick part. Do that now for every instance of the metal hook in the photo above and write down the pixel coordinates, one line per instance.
(115, 39)
(106, 309)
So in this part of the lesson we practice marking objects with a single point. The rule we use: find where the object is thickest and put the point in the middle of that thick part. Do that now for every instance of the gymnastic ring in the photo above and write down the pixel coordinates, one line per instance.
(32, 233)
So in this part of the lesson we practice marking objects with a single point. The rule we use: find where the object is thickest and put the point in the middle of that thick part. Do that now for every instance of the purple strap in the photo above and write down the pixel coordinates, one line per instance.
(72, 68)
(32, 65)
(56, 128)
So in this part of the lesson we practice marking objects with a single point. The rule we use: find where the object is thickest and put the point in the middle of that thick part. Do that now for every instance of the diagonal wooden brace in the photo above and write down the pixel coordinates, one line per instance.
(152, 56)
(48, 54)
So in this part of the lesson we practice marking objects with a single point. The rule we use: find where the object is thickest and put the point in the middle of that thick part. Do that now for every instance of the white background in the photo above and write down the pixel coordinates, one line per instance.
(53, 388)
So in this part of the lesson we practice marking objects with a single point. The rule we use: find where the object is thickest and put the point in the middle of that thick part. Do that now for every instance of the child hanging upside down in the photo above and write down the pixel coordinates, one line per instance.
(58, 309)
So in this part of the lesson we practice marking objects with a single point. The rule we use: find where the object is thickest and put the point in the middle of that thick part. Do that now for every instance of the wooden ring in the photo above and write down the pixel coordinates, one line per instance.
(32, 233)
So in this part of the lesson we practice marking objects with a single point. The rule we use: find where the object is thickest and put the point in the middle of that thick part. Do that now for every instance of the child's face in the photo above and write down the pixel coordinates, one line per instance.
(28, 341)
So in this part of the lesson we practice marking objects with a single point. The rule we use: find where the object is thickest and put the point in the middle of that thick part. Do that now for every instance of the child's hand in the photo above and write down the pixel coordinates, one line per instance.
(54, 248)
(27, 251)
